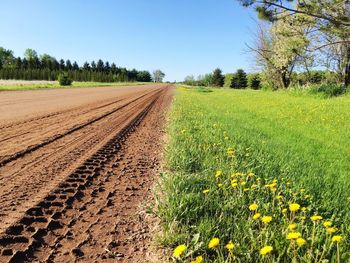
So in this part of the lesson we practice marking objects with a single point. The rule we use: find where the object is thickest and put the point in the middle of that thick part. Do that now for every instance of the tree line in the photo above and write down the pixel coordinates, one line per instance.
(45, 67)
(242, 80)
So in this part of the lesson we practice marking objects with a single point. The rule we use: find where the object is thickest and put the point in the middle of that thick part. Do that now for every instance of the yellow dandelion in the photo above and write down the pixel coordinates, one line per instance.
(294, 207)
(293, 235)
(256, 216)
(220, 185)
(254, 186)
(266, 219)
(292, 226)
(206, 191)
(337, 238)
(218, 173)
(300, 241)
(327, 224)
(303, 209)
(230, 246)
(179, 250)
(284, 210)
(316, 218)
(266, 250)
(303, 217)
(214, 243)
(251, 174)
(279, 197)
(233, 184)
(253, 207)
(199, 259)
(331, 230)
(243, 183)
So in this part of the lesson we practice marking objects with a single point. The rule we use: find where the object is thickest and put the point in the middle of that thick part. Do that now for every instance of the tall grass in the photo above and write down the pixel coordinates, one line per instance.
(231, 149)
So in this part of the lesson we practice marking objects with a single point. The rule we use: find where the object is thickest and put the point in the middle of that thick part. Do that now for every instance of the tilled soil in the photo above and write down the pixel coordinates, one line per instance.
(72, 178)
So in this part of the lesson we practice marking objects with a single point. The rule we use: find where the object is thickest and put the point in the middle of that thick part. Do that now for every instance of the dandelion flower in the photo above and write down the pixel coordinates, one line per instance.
(292, 226)
(206, 191)
(230, 246)
(220, 185)
(316, 218)
(256, 216)
(218, 173)
(266, 219)
(214, 242)
(337, 238)
(284, 210)
(279, 197)
(331, 230)
(179, 250)
(294, 207)
(266, 250)
(303, 209)
(300, 241)
(253, 207)
(293, 235)
(199, 259)
(327, 224)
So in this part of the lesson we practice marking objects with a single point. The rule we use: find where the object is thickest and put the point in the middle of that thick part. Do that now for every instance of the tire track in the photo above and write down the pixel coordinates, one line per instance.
(32, 148)
(48, 222)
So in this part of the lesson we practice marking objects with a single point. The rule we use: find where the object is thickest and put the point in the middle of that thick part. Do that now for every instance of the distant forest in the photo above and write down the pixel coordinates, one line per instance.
(45, 67)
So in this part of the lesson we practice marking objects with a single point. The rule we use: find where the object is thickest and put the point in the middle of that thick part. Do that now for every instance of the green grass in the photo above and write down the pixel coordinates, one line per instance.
(297, 147)
(75, 84)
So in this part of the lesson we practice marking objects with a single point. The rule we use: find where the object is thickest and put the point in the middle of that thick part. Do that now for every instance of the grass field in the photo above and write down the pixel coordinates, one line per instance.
(256, 176)
(76, 84)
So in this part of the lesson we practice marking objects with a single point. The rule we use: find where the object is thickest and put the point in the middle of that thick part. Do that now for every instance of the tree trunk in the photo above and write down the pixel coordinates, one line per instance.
(347, 67)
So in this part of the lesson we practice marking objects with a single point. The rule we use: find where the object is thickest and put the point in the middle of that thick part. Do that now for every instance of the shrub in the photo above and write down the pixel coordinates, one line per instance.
(329, 90)
(64, 79)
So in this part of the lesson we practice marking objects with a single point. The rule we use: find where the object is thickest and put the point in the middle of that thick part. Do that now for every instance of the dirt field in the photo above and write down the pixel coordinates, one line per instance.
(75, 167)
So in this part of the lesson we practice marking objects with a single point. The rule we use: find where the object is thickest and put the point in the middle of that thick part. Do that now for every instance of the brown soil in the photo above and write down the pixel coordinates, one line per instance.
(75, 166)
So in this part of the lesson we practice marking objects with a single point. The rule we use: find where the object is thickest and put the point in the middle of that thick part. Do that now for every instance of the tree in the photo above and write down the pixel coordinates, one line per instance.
(158, 76)
(62, 65)
(144, 76)
(93, 65)
(69, 65)
(218, 78)
(239, 80)
(326, 12)
(75, 66)
(7, 58)
(100, 65)
(254, 81)
(30, 54)
(331, 18)
(86, 66)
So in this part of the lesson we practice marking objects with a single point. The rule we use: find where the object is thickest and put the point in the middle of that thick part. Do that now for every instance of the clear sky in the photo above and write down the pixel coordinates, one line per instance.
(180, 37)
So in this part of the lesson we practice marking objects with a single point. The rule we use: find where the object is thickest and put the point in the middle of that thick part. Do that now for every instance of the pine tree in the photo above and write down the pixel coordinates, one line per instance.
(239, 80)
(218, 78)
(100, 65)
(75, 66)
(69, 65)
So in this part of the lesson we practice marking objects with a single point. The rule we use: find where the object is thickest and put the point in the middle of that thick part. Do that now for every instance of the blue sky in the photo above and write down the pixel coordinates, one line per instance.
(180, 37)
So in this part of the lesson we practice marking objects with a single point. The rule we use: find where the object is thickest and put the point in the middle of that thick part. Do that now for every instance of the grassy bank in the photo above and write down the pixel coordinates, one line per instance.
(268, 171)
(74, 85)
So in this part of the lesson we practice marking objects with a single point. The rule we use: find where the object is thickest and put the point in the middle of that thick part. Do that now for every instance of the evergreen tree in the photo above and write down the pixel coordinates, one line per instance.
(86, 66)
(69, 65)
(62, 65)
(254, 81)
(217, 78)
(239, 80)
(107, 67)
(100, 65)
(75, 66)
(113, 68)
(93, 65)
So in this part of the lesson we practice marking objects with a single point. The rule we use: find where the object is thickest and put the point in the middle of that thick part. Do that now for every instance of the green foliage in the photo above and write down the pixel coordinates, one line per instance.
(217, 78)
(64, 80)
(329, 90)
(239, 80)
(254, 81)
(158, 75)
(46, 67)
(301, 142)
(228, 80)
